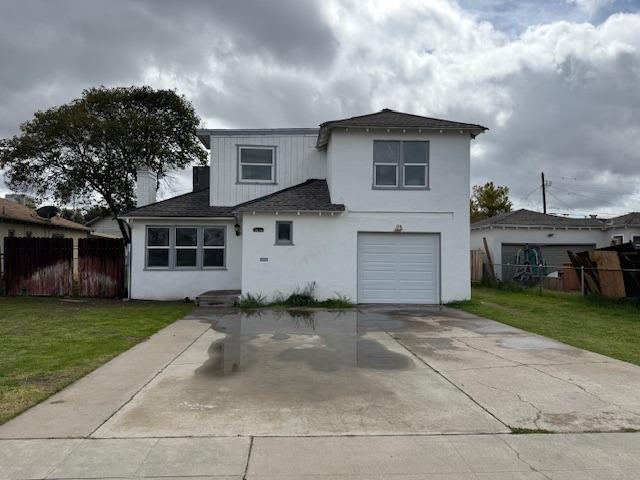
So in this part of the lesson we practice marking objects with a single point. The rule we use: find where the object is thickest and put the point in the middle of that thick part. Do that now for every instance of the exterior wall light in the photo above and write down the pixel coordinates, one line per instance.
(398, 228)
(236, 227)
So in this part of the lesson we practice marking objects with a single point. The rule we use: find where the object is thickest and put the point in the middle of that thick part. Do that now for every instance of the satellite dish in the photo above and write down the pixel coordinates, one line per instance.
(48, 211)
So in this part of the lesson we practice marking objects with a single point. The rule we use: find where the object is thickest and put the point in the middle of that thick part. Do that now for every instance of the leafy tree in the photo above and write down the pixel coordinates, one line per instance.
(91, 148)
(489, 200)
(75, 215)
(84, 214)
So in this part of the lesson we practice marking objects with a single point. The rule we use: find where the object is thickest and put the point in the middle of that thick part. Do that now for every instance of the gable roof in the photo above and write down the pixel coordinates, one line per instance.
(392, 119)
(192, 204)
(525, 217)
(628, 220)
(15, 212)
(312, 195)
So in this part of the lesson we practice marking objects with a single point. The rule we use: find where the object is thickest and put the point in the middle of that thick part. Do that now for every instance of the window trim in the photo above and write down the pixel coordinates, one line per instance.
(172, 247)
(400, 173)
(284, 242)
(177, 247)
(148, 247)
(635, 239)
(614, 238)
(215, 247)
(375, 175)
(239, 163)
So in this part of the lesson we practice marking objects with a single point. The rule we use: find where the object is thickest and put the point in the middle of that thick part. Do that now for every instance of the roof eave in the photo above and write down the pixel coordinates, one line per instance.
(325, 130)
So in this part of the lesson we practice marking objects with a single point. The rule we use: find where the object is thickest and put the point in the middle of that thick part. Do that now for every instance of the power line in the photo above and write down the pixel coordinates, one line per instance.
(591, 197)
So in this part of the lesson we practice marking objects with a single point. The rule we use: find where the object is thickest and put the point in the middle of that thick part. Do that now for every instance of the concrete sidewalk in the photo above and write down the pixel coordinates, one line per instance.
(607, 456)
(82, 407)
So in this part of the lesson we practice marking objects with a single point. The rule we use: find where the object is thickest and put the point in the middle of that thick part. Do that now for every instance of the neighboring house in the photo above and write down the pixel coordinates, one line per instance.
(17, 220)
(104, 226)
(374, 207)
(508, 233)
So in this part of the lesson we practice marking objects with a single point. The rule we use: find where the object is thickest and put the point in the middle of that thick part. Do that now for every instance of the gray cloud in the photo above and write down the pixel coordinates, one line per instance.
(559, 96)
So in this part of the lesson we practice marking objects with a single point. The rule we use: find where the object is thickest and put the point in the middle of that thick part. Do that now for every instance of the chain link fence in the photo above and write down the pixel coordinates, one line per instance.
(609, 282)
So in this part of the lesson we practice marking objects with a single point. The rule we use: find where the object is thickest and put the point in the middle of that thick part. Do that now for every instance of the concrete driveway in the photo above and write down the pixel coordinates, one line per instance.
(300, 392)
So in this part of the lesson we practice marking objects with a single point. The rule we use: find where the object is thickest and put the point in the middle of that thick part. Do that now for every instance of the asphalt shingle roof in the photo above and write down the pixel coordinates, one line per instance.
(627, 220)
(392, 119)
(531, 218)
(194, 204)
(312, 195)
(15, 212)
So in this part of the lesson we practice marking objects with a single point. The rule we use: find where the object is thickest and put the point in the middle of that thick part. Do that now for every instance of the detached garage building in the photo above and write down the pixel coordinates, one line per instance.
(508, 233)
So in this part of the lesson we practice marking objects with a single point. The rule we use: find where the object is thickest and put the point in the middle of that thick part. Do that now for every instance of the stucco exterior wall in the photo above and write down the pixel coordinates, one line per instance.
(163, 284)
(325, 252)
(297, 160)
(350, 163)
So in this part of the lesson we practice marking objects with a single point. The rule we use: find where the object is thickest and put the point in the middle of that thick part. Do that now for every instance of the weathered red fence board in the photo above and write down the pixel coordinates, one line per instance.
(38, 266)
(100, 267)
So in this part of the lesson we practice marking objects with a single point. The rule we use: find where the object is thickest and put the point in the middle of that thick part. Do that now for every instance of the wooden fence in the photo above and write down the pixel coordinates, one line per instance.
(44, 266)
(100, 267)
(38, 266)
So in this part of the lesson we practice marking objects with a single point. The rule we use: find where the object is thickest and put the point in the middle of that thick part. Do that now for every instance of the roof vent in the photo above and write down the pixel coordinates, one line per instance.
(386, 110)
(594, 216)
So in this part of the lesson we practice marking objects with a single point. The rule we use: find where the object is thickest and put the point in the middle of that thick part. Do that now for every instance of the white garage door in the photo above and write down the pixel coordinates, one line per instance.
(398, 268)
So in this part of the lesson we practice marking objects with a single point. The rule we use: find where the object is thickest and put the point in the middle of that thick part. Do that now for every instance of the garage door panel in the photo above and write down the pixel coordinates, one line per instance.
(398, 268)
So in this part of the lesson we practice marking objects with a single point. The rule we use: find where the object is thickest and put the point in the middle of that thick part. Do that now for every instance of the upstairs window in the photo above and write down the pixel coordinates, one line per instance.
(256, 164)
(400, 164)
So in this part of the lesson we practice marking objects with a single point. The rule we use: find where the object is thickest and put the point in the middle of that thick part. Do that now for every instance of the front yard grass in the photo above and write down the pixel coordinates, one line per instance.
(47, 343)
(609, 327)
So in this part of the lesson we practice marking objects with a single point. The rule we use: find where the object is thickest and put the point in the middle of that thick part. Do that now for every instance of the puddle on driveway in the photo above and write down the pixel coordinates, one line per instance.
(324, 341)
(299, 372)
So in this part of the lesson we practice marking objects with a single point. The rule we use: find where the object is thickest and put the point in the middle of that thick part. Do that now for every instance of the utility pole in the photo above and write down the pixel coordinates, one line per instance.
(544, 195)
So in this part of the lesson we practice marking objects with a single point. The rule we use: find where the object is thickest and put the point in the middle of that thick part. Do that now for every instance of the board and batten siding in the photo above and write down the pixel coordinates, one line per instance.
(297, 160)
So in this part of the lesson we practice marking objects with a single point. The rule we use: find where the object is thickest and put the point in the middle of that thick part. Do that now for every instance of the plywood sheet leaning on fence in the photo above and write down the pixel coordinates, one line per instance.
(611, 279)
(477, 260)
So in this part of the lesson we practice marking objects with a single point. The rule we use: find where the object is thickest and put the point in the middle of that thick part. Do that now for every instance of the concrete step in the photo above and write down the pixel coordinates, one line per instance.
(218, 298)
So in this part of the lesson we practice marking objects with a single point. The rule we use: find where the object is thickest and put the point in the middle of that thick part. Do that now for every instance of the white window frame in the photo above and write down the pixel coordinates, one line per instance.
(400, 168)
(222, 247)
(272, 148)
(426, 175)
(615, 238)
(385, 164)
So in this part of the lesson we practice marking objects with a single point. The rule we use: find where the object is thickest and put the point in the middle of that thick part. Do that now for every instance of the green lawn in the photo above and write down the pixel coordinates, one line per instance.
(608, 327)
(47, 343)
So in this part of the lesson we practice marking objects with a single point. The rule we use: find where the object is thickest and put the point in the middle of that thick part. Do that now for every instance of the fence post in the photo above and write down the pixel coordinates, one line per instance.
(540, 277)
(582, 280)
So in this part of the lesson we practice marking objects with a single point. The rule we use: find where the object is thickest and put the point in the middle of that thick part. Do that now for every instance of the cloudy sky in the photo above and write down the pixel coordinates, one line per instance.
(557, 82)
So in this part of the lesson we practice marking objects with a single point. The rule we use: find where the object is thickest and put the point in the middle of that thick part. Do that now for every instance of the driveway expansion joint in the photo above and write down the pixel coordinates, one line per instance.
(457, 387)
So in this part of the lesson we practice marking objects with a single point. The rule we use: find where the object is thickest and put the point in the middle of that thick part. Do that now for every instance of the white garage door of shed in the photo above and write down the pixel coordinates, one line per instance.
(398, 268)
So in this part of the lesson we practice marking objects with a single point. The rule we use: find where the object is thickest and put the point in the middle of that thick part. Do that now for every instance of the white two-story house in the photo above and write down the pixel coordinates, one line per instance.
(374, 208)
